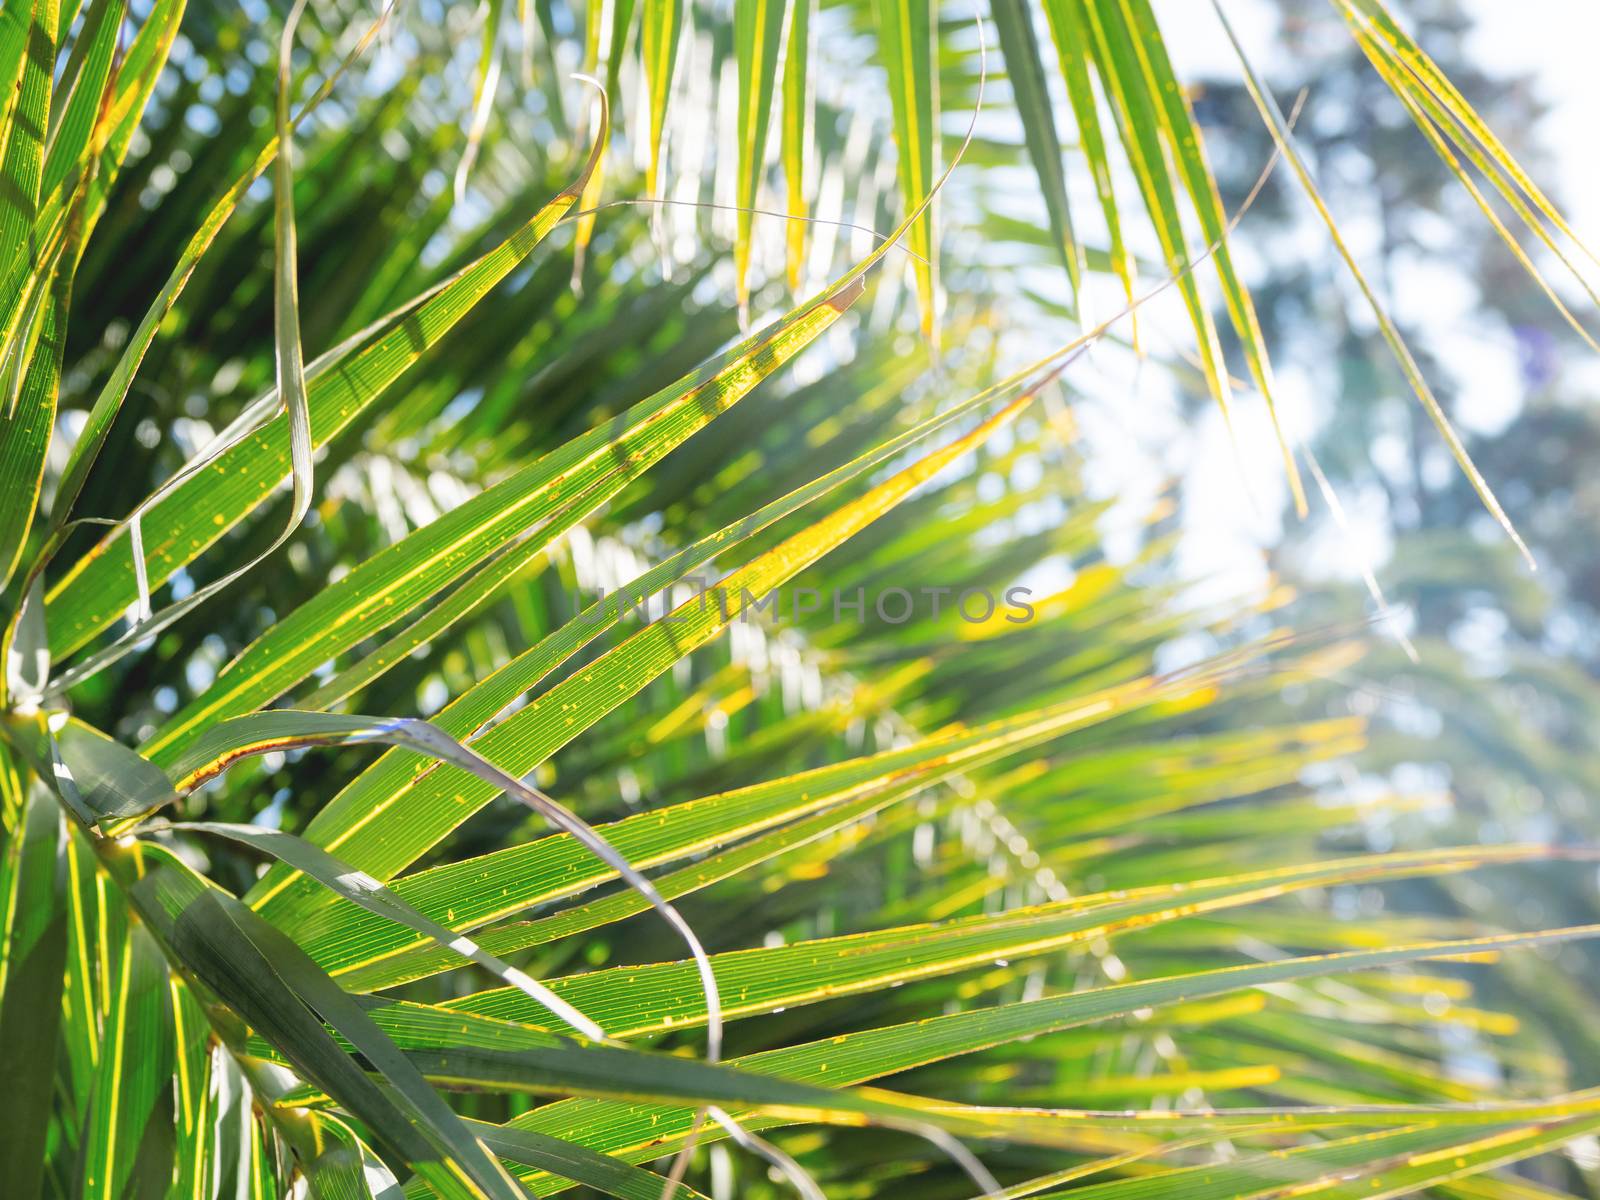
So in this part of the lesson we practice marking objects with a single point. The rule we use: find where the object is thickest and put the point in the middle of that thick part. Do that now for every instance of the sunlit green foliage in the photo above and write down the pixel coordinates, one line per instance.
(340, 392)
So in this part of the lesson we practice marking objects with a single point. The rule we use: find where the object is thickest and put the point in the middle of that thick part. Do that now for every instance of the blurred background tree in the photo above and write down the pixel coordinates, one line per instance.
(1497, 716)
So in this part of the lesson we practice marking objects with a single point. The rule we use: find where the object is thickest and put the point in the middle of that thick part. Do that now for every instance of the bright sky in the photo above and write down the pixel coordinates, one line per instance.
(1233, 499)
(1554, 41)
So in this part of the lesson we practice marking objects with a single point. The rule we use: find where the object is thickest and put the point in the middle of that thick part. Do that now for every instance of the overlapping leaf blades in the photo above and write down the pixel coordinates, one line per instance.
(954, 774)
